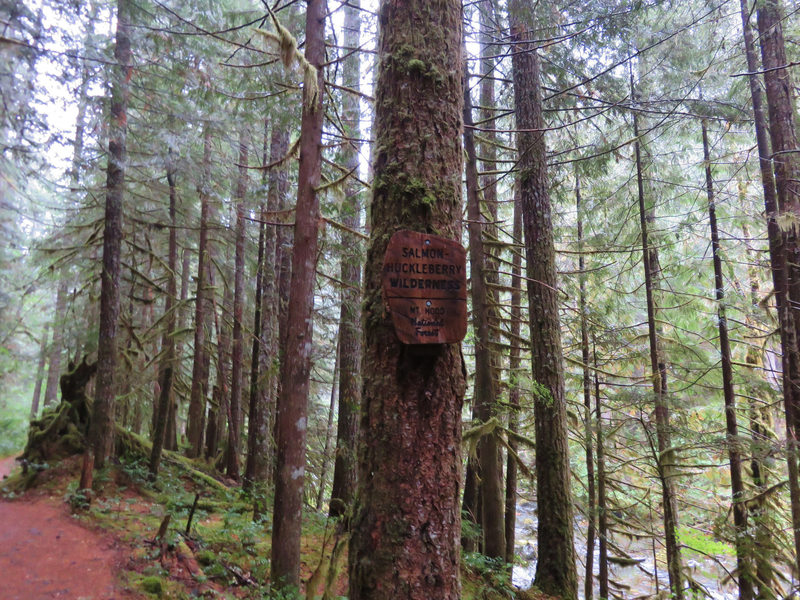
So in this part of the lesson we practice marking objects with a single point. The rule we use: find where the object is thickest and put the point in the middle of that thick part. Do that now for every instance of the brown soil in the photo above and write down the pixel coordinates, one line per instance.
(6, 466)
(45, 553)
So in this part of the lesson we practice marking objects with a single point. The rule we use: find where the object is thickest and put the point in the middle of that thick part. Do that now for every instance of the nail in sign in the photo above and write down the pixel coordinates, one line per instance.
(425, 288)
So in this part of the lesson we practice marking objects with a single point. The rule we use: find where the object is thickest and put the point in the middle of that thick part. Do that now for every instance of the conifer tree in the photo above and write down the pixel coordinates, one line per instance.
(406, 526)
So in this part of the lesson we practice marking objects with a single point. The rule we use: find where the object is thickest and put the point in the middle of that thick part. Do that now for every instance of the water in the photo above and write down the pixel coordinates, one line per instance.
(628, 581)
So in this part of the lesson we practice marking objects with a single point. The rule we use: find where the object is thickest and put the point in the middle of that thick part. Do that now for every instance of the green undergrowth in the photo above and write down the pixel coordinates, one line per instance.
(484, 578)
(13, 427)
(225, 553)
(702, 543)
(155, 586)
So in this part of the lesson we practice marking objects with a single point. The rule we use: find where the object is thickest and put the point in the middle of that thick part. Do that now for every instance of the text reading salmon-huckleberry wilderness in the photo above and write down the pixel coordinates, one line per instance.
(424, 286)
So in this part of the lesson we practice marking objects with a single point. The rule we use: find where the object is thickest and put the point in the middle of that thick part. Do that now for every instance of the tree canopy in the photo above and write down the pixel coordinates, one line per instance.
(623, 174)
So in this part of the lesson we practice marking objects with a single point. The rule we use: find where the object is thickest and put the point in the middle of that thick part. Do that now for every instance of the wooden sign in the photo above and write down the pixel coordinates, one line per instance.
(425, 288)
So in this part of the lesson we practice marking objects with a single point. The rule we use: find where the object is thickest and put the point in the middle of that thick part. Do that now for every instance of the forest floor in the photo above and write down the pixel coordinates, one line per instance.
(53, 544)
(45, 553)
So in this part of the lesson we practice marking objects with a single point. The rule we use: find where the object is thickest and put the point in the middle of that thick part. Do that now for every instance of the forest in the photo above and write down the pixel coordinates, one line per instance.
(400, 299)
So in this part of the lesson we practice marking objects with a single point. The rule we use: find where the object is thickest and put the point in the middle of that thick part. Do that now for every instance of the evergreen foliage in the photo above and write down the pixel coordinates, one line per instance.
(204, 71)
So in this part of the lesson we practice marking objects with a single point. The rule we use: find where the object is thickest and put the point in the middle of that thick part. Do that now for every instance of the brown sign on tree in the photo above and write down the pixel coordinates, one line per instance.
(425, 288)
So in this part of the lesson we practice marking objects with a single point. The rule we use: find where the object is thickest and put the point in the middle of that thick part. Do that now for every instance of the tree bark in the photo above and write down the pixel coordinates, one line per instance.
(602, 517)
(284, 247)
(295, 370)
(124, 374)
(171, 435)
(199, 389)
(37, 388)
(491, 487)
(514, 367)
(101, 431)
(744, 560)
(221, 408)
(488, 183)
(257, 408)
(273, 299)
(57, 345)
(762, 438)
(588, 437)
(326, 452)
(786, 165)
(237, 354)
(405, 539)
(470, 503)
(212, 425)
(664, 460)
(168, 339)
(345, 467)
(555, 569)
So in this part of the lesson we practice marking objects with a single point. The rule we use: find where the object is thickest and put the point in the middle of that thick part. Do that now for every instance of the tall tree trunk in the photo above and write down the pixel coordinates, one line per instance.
(83, 103)
(218, 409)
(37, 388)
(588, 437)
(257, 407)
(602, 516)
(326, 453)
(295, 370)
(470, 503)
(168, 339)
(125, 372)
(199, 389)
(273, 299)
(143, 359)
(237, 355)
(491, 488)
(786, 165)
(779, 268)
(212, 427)
(101, 432)
(487, 156)
(665, 459)
(284, 247)
(405, 539)
(488, 183)
(171, 435)
(57, 345)
(744, 560)
(344, 470)
(761, 443)
(514, 367)
(221, 407)
(80, 120)
(555, 569)
(212, 309)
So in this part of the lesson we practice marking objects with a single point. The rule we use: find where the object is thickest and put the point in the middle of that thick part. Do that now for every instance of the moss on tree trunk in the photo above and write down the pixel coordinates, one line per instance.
(406, 524)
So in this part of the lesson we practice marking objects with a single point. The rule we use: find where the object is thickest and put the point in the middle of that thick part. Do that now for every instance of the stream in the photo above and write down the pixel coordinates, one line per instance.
(630, 581)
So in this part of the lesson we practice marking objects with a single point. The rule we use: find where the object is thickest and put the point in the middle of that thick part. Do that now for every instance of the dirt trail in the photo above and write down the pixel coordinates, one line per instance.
(46, 554)
(7, 465)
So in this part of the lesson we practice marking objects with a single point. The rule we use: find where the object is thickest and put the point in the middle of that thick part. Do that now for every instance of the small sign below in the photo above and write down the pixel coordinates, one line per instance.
(425, 288)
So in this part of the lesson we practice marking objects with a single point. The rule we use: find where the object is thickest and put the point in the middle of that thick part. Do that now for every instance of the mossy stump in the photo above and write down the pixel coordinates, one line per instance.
(61, 431)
